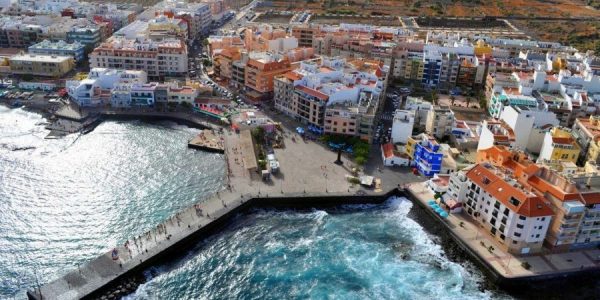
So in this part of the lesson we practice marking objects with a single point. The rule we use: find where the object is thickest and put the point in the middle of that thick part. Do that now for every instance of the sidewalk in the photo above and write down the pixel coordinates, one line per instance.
(506, 264)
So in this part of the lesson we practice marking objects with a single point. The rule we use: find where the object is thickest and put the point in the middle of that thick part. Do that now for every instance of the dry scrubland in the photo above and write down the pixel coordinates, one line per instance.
(456, 8)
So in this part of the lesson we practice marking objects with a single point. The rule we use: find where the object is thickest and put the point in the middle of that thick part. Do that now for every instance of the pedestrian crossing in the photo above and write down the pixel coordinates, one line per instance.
(387, 117)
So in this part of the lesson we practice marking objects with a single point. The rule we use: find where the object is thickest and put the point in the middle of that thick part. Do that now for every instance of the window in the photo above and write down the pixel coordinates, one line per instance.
(514, 201)
(514, 242)
(517, 234)
(543, 218)
(522, 218)
(520, 226)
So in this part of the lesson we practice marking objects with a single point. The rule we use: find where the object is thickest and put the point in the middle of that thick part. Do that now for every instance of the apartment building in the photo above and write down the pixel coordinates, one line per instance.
(88, 35)
(223, 62)
(167, 26)
(402, 126)
(421, 109)
(260, 72)
(181, 94)
(510, 97)
(304, 34)
(158, 59)
(283, 92)
(515, 217)
(238, 74)
(41, 65)
(264, 37)
(142, 94)
(335, 95)
(425, 153)
(493, 133)
(587, 134)
(529, 125)
(96, 89)
(197, 15)
(559, 145)
(440, 121)
(573, 196)
(60, 48)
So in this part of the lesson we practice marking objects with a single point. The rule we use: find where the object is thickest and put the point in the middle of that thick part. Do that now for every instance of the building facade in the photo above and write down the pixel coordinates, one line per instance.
(157, 58)
(41, 65)
(60, 48)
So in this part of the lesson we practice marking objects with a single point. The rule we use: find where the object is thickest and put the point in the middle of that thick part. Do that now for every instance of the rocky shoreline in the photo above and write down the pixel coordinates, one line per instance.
(581, 286)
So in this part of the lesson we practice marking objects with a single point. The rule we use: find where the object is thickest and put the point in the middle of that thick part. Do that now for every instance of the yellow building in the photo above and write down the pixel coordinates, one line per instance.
(559, 145)
(481, 48)
(41, 65)
(410, 147)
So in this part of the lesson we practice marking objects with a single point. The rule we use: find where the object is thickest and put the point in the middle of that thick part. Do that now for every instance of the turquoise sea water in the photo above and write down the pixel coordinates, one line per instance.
(64, 202)
(354, 252)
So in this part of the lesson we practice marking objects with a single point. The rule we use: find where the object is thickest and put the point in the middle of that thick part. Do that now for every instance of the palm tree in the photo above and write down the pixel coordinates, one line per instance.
(468, 101)
(452, 100)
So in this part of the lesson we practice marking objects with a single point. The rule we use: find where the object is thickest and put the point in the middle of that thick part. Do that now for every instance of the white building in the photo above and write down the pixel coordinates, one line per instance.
(515, 217)
(391, 157)
(492, 133)
(168, 57)
(421, 109)
(529, 126)
(402, 126)
(440, 121)
(96, 89)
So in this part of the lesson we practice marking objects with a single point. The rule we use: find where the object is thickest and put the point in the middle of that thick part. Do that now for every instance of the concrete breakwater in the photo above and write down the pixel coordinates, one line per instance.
(187, 119)
(113, 274)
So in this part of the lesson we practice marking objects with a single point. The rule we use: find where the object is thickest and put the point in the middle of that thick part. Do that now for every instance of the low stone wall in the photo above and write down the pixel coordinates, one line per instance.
(111, 289)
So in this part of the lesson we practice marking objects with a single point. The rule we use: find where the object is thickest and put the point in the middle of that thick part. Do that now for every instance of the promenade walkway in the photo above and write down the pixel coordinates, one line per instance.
(506, 264)
(306, 170)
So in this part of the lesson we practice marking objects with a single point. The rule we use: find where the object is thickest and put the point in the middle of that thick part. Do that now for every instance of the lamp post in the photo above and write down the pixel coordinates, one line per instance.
(339, 161)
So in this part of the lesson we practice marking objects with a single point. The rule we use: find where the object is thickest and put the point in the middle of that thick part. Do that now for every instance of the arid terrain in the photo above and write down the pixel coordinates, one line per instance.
(455, 8)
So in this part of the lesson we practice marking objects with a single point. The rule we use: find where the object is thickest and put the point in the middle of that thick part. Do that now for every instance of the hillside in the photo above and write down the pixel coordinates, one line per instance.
(456, 8)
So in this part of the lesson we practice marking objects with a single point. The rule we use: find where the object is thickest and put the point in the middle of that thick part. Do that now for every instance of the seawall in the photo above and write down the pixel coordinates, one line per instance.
(189, 121)
(518, 285)
(107, 282)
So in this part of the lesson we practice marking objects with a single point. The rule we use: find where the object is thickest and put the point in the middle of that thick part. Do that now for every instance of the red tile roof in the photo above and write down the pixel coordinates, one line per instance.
(529, 205)
(563, 140)
(591, 198)
(312, 92)
(388, 150)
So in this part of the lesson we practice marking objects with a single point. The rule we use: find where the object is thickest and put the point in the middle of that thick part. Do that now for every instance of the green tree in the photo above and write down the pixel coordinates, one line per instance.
(482, 100)
(360, 160)
(258, 133)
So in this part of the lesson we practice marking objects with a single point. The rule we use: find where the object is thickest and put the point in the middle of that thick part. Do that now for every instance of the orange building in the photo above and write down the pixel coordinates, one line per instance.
(223, 61)
(259, 76)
